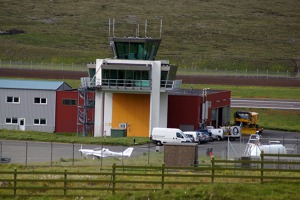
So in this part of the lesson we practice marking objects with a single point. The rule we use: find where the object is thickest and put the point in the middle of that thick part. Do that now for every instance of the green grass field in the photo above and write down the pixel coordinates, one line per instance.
(259, 92)
(204, 34)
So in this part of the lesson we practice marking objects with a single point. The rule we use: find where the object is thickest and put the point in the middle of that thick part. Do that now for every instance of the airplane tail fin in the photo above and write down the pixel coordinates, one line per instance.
(128, 152)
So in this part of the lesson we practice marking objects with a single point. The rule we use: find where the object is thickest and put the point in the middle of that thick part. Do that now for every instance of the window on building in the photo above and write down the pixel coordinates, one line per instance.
(41, 121)
(11, 120)
(10, 99)
(69, 102)
(39, 100)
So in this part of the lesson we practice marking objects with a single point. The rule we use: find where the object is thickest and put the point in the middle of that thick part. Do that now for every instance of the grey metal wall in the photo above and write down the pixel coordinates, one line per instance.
(27, 109)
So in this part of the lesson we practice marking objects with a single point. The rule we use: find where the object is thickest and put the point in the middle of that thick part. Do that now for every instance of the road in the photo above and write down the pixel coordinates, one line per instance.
(49, 152)
(269, 104)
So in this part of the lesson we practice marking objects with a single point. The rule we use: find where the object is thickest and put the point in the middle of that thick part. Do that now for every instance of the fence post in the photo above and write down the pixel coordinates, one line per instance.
(212, 169)
(0, 152)
(65, 182)
(162, 176)
(262, 167)
(15, 181)
(51, 153)
(26, 153)
(73, 155)
(114, 178)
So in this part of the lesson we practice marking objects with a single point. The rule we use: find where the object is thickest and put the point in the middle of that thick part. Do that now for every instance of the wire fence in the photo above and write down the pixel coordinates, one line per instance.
(259, 73)
(58, 154)
(11, 64)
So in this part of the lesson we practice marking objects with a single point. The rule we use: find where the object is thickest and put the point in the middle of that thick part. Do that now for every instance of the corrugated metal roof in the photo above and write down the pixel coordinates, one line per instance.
(30, 84)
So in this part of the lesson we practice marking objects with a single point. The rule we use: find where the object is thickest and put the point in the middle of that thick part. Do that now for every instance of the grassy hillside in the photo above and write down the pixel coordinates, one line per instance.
(214, 34)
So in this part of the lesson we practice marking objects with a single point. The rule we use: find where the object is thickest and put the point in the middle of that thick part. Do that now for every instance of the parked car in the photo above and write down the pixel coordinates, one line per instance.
(199, 137)
(210, 136)
(191, 137)
(203, 138)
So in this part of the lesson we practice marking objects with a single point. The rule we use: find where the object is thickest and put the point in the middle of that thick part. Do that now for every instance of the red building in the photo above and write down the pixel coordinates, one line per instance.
(186, 110)
(74, 112)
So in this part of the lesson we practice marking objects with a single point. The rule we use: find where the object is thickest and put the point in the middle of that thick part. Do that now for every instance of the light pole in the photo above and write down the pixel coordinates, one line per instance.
(204, 107)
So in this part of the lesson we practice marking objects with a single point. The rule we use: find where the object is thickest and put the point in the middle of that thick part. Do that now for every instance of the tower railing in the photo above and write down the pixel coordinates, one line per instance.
(128, 84)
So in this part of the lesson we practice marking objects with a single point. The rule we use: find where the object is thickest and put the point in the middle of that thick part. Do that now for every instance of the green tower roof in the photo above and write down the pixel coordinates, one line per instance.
(134, 48)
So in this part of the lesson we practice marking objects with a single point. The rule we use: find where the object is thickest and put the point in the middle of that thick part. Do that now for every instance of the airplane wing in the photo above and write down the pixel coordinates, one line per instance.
(100, 155)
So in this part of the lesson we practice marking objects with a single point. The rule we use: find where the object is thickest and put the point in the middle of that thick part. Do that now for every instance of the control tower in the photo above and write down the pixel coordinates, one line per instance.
(131, 89)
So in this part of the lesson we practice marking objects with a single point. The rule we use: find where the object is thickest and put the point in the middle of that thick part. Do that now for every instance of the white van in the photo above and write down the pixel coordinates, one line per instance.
(161, 136)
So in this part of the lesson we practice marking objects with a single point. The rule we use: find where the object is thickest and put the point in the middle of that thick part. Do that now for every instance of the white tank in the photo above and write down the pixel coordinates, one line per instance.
(255, 150)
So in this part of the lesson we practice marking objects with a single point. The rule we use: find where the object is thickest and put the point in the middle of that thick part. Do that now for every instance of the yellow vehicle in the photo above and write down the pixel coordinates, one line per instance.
(248, 122)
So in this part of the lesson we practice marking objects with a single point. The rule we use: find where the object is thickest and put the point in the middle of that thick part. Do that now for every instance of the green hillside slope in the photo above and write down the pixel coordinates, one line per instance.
(196, 33)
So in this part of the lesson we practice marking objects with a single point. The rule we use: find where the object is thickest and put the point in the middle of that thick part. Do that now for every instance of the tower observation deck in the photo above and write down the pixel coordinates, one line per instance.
(130, 68)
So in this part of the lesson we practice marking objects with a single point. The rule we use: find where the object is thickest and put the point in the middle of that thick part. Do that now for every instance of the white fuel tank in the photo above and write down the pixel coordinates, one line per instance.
(255, 150)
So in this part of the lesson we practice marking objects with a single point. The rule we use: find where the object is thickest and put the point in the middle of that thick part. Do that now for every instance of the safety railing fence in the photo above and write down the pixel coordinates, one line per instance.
(258, 73)
(241, 73)
(17, 183)
(42, 65)
(87, 82)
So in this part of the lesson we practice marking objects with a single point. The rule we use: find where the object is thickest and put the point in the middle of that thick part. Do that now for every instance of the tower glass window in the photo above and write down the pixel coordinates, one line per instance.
(135, 48)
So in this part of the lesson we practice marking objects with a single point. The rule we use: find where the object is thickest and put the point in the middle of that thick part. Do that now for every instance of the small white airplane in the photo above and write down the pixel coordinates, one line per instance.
(103, 152)
(107, 153)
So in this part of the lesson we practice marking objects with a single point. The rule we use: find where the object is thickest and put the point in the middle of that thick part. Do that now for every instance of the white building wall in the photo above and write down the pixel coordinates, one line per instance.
(27, 109)
(99, 103)
(108, 103)
(98, 126)
(155, 96)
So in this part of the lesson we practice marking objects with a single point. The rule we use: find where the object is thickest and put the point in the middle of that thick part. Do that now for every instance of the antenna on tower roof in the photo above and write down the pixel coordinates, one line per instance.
(138, 31)
(109, 27)
(146, 28)
(160, 31)
(113, 27)
(113, 24)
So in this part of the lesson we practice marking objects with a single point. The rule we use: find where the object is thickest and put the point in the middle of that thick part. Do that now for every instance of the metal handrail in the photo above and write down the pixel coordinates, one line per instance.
(87, 82)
